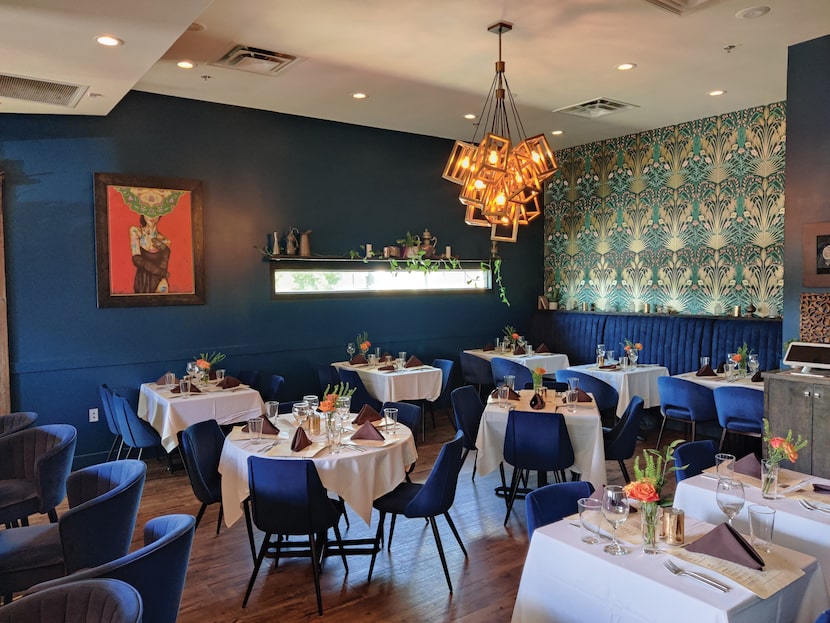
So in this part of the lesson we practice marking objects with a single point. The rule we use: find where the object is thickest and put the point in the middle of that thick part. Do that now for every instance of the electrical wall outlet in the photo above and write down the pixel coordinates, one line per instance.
(93, 415)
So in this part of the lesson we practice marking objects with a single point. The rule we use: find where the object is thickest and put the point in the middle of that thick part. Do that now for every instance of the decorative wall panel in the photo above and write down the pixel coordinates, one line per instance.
(815, 318)
(689, 218)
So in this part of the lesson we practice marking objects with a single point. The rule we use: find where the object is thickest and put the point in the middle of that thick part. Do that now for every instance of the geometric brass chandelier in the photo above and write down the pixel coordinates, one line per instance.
(501, 180)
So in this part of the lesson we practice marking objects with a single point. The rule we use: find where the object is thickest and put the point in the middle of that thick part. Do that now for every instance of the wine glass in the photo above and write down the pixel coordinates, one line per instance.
(730, 497)
(350, 349)
(342, 406)
(300, 412)
(191, 369)
(753, 364)
(615, 510)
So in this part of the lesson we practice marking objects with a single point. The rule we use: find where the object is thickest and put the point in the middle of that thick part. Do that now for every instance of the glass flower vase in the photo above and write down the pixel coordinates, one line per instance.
(650, 521)
(769, 479)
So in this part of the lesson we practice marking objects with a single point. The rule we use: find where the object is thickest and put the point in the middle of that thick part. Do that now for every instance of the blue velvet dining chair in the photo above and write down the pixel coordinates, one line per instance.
(684, 401)
(135, 432)
(428, 500)
(621, 441)
(34, 466)
(288, 499)
(112, 421)
(535, 441)
(824, 617)
(692, 457)
(468, 409)
(476, 371)
(501, 367)
(99, 600)
(605, 395)
(553, 502)
(272, 392)
(740, 411)
(249, 378)
(14, 422)
(361, 395)
(201, 449)
(443, 401)
(327, 376)
(98, 527)
(409, 415)
(157, 570)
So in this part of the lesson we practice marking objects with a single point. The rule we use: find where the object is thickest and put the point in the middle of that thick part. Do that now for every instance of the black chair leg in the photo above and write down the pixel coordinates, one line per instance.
(342, 504)
(257, 564)
(199, 515)
(53, 516)
(391, 532)
(221, 515)
(437, 536)
(514, 487)
(246, 507)
(376, 548)
(660, 435)
(455, 532)
(340, 545)
(315, 568)
(624, 472)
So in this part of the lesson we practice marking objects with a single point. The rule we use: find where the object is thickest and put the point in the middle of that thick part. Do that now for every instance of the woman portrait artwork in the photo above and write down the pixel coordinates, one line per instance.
(150, 241)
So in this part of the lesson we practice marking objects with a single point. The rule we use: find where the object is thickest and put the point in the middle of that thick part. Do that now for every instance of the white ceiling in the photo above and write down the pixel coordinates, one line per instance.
(423, 63)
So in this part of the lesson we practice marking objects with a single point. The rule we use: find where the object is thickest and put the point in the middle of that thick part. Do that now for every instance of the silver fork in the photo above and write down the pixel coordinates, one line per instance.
(696, 576)
(812, 507)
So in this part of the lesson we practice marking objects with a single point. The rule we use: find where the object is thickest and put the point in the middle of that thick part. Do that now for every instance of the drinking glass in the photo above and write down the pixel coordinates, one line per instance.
(704, 361)
(571, 398)
(600, 350)
(272, 407)
(350, 349)
(300, 412)
(633, 355)
(169, 380)
(312, 402)
(730, 497)
(725, 465)
(761, 525)
(753, 364)
(191, 368)
(342, 406)
(615, 510)
(255, 428)
(573, 382)
(377, 352)
(220, 375)
(609, 356)
(510, 381)
(391, 415)
(402, 355)
(334, 432)
(503, 392)
(590, 515)
(373, 359)
(184, 387)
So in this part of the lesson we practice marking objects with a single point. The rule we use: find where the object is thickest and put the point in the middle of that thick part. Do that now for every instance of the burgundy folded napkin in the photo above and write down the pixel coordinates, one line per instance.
(385, 355)
(212, 375)
(161, 380)
(542, 348)
(537, 402)
(721, 367)
(413, 362)
(300, 440)
(726, 543)
(511, 394)
(358, 359)
(228, 382)
(518, 350)
(387, 367)
(488, 346)
(193, 389)
(583, 396)
(706, 371)
(267, 427)
(748, 466)
(368, 431)
(820, 488)
(757, 378)
(367, 414)
(610, 366)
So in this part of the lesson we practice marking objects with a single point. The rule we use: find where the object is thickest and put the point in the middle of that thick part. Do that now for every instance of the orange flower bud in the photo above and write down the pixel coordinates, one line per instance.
(642, 490)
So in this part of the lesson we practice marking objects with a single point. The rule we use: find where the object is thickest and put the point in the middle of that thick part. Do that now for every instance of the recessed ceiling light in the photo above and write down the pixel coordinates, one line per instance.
(626, 66)
(717, 92)
(359, 96)
(469, 115)
(557, 132)
(109, 41)
(752, 12)
(185, 64)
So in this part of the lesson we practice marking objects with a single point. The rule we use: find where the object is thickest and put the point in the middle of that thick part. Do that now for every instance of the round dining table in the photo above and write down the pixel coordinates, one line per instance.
(358, 474)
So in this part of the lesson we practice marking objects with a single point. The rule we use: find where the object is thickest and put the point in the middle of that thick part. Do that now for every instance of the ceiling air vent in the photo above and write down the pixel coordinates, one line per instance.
(255, 60)
(598, 107)
(43, 91)
(681, 7)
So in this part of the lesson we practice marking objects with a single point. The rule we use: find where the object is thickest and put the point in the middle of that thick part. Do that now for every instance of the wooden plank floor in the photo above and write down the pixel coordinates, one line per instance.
(408, 584)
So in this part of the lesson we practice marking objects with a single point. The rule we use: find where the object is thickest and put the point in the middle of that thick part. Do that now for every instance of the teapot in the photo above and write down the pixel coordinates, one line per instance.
(428, 243)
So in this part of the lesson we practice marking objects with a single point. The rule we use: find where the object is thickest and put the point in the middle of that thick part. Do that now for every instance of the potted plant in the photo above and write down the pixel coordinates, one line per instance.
(410, 246)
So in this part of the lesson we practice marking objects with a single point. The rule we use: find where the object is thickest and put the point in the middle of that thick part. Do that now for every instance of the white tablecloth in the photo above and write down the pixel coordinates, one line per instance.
(358, 477)
(568, 581)
(421, 383)
(171, 413)
(714, 382)
(640, 381)
(584, 429)
(795, 527)
(551, 362)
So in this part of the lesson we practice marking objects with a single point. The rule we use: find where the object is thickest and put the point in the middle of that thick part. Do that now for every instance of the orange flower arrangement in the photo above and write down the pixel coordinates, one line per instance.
(635, 345)
(328, 404)
(363, 343)
(780, 448)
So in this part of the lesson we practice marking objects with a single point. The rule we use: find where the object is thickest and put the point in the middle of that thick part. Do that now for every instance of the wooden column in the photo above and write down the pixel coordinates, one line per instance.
(5, 394)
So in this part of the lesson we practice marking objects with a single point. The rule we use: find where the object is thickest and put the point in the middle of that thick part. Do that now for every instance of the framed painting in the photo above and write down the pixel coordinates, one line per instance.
(816, 260)
(148, 239)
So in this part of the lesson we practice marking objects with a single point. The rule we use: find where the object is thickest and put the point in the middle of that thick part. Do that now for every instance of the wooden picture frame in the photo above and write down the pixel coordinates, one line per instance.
(148, 241)
(816, 258)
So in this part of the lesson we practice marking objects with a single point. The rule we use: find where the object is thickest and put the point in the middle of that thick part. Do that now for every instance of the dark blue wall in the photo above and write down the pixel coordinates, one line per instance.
(261, 172)
(808, 163)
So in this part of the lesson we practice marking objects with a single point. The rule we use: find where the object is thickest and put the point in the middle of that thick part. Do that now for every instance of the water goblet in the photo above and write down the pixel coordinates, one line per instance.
(300, 412)
(753, 364)
(615, 510)
(191, 368)
(350, 348)
(730, 497)
(312, 401)
(633, 355)
(342, 406)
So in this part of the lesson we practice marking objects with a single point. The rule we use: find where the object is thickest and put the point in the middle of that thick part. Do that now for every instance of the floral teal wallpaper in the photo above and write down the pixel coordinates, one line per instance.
(688, 218)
